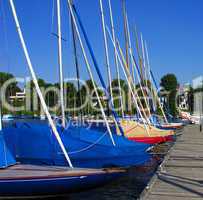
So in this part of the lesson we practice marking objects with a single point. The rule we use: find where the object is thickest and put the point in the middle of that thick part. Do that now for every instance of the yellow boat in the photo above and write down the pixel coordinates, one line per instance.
(137, 132)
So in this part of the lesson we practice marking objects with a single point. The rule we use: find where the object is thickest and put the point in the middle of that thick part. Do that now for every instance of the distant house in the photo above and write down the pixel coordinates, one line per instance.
(183, 97)
(19, 96)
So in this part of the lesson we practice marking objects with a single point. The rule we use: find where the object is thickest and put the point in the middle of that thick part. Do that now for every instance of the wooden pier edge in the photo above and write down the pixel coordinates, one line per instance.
(180, 174)
(147, 189)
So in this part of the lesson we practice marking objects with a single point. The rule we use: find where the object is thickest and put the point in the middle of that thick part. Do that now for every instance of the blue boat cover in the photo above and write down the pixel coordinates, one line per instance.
(6, 159)
(32, 142)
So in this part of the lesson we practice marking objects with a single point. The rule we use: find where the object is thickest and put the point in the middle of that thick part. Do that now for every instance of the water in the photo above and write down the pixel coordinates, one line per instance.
(128, 187)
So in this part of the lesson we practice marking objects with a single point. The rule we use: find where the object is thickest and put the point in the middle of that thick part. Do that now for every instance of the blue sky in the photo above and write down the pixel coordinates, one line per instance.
(172, 28)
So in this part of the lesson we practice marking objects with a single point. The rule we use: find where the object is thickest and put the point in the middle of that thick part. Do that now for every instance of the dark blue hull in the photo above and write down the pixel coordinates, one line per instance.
(52, 186)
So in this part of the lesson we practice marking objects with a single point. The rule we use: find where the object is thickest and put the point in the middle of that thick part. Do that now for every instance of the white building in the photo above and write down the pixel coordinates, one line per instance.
(183, 98)
(20, 96)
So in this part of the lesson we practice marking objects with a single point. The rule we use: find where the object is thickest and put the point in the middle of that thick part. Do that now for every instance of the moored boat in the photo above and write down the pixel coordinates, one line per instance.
(18, 180)
(45, 181)
(87, 148)
(137, 132)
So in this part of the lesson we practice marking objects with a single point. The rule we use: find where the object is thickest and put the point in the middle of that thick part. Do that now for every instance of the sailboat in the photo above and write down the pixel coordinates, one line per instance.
(167, 125)
(142, 131)
(133, 130)
(90, 149)
(23, 180)
(30, 180)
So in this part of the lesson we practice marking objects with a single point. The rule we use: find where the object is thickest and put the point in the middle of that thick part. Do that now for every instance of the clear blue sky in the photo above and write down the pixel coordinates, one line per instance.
(172, 28)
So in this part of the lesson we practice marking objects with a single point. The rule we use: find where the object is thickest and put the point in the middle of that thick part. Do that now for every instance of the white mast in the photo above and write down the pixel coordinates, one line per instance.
(154, 91)
(144, 61)
(149, 75)
(106, 51)
(116, 59)
(136, 96)
(89, 71)
(44, 106)
(133, 65)
(143, 57)
(0, 117)
(60, 63)
(129, 81)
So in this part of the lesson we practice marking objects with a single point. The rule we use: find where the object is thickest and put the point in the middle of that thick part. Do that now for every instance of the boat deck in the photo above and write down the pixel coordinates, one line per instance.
(181, 174)
(20, 171)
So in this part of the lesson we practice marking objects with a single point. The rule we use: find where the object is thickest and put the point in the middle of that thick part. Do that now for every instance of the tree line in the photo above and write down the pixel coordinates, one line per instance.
(75, 97)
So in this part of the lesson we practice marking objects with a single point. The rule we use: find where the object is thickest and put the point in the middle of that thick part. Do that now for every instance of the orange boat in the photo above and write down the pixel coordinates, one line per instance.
(151, 135)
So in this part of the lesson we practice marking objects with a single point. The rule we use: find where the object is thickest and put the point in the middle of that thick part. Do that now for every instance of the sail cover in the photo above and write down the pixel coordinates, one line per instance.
(6, 158)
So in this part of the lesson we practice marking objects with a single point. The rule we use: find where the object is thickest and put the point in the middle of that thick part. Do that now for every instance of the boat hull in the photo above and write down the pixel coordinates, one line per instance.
(48, 182)
(152, 140)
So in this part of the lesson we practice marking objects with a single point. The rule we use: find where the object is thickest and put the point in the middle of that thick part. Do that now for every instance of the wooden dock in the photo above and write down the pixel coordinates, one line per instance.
(180, 176)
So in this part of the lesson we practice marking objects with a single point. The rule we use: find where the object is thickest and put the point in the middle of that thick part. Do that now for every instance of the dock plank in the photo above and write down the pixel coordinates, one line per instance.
(180, 175)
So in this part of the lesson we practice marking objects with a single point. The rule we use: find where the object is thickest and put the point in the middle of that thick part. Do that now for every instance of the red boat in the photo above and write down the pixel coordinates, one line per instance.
(153, 140)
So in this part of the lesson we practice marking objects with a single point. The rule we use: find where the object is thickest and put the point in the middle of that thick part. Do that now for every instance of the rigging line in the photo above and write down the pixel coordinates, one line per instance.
(125, 31)
(98, 70)
(116, 60)
(143, 58)
(130, 46)
(145, 69)
(32, 72)
(52, 17)
(138, 74)
(106, 51)
(5, 33)
(150, 79)
(128, 81)
(133, 90)
(138, 53)
(72, 11)
(131, 82)
(60, 62)
(126, 49)
(154, 91)
(89, 146)
(133, 64)
(79, 96)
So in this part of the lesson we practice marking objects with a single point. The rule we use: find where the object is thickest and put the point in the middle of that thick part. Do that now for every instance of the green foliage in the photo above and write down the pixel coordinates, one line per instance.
(169, 83)
(116, 93)
(71, 93)
(13, 88)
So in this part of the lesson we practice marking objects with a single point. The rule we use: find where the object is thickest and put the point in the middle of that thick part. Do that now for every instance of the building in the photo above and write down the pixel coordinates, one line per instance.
(19, 96)
(183, 97)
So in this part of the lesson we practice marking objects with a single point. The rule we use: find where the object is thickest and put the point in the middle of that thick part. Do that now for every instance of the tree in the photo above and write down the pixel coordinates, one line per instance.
(11, 90)
(169, 83)
(71, 95)
(87, 91)
(116, 93)
(32, 94)
(13, 87)
(191, 99)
